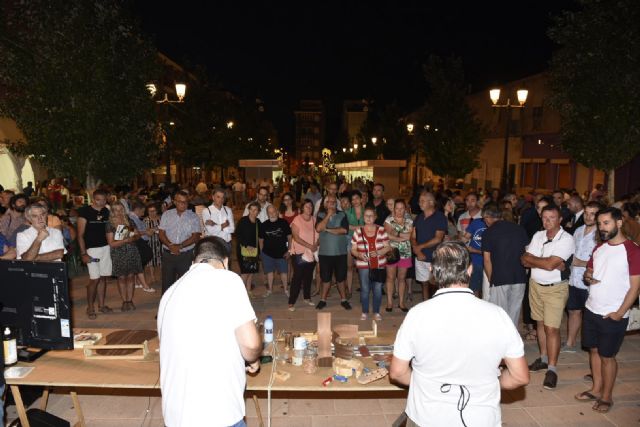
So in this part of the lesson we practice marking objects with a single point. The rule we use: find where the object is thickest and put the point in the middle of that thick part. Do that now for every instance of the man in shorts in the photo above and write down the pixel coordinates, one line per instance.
(429, 229)
(332, 226)
(95, 251)
(613, 275)
(547, 254)
(585, 241)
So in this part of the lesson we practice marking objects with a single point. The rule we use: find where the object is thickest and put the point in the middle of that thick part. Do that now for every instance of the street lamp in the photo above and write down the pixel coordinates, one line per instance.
(415, 171)
(374, 140)
(181, 90)
(494, 94)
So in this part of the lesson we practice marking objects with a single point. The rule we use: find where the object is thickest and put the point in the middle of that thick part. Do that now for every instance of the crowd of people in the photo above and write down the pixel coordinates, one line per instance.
(534, 255)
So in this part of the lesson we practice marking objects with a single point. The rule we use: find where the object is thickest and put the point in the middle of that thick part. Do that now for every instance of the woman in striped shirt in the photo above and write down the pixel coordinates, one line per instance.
(369, 246)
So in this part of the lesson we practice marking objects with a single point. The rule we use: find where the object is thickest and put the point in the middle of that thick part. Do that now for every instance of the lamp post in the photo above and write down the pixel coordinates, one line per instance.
(181, 90)
(415, 171)
(494, 94)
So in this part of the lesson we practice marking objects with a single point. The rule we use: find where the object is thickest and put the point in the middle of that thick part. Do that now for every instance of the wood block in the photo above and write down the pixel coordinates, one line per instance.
(324, 335)
(346, 331)
(372, 376)
(343, 348)
(325, 362)
(345, 367)
(364, 351)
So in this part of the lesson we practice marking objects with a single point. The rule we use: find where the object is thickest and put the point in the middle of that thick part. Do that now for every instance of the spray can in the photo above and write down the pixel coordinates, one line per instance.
(10, 347)
(268, 330)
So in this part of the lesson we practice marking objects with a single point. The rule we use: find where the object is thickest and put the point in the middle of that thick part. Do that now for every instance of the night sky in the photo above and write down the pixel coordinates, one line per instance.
(283, 51)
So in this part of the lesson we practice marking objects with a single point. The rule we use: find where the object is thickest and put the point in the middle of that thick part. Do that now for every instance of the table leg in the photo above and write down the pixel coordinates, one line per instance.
(76, 405)
(22, 413)
(258, 411)
(44, 399)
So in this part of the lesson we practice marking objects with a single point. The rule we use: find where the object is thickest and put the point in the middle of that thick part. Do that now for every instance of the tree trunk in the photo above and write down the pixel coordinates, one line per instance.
(611, 184)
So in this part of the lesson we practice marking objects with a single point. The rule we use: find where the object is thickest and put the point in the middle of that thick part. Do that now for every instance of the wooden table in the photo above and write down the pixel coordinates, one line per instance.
(69, 368)
(72, 370)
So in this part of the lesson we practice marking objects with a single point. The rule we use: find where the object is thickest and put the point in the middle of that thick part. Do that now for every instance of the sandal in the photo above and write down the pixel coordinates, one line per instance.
(105, 309)
(91, 314)
(531, 335)
(602, 406)
(125, 306)
(131, 305)
(586, 396)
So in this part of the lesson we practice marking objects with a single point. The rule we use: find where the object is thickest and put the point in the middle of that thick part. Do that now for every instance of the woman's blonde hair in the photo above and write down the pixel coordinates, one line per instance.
(112, 217)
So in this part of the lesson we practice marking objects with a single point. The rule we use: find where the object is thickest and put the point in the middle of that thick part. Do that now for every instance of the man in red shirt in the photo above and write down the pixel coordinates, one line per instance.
(613, 276)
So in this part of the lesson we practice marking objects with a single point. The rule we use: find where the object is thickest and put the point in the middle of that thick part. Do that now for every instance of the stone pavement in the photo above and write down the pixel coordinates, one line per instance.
(529, 406)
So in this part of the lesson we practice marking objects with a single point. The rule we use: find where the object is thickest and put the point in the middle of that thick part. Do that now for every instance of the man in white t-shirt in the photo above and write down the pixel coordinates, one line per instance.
(473, 212)
(585, 240)
(613, 275)
(547, 254)
(263, 200)
(203, 351)
(456, 358)
(218, 219)
(39, 242)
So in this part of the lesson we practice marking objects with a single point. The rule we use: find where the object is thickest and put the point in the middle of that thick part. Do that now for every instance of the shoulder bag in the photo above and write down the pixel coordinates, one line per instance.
(393, 256)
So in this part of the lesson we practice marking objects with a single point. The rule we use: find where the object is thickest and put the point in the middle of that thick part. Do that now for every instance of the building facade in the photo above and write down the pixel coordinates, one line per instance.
(309, 130)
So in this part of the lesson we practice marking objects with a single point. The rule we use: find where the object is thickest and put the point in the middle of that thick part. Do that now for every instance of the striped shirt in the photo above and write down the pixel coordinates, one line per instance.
(366, 244)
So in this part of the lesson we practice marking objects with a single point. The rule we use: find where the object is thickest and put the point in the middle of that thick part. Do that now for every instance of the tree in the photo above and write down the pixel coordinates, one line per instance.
(595, 82)
(388, 126)
(447, 132)
(75, 76)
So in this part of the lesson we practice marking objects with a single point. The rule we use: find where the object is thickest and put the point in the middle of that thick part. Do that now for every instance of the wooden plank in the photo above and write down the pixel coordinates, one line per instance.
(22, 413)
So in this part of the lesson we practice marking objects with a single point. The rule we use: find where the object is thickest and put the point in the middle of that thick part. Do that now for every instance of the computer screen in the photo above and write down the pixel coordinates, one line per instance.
(35, 303)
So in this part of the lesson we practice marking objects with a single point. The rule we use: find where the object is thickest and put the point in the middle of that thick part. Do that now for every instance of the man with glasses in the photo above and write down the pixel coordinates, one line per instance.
(179, 230)
(263, 200)
(547, 254)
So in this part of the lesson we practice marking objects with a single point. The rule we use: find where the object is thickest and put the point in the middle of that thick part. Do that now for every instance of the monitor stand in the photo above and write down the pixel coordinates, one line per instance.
(26, 355)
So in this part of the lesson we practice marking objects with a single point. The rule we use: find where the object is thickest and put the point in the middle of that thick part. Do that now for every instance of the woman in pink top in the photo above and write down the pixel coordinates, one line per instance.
(303, 246)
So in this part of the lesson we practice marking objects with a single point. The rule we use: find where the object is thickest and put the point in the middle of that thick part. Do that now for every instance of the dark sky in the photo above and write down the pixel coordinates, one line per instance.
(283, 51)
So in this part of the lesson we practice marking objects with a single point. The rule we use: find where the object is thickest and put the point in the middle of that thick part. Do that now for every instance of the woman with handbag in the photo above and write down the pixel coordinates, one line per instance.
(248, 251)
(303, 246)
(398, 227)
(369, 246)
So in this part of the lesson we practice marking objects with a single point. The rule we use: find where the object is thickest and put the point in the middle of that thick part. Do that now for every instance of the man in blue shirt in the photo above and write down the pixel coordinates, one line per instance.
(429, 229)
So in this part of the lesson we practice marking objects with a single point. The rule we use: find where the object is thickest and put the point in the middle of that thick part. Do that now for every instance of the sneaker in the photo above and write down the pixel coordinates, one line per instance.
(292, 308)
(568, 349)
(538, 365)
(364, 316)
(138, 285)
(267, 294)
(346, 305)
(321, 305)
(286, 292)
(149, 289)
(550, 380)
(309, 302)
(377, 317)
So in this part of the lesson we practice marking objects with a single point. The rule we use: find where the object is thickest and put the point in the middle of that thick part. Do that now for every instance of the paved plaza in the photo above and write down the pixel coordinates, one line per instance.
(531, 406)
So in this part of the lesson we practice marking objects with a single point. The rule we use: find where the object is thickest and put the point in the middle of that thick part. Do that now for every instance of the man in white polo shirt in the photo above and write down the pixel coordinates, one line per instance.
(456, 359)
(218, 219)
(613, 275)
(547, 254)
(39, 242)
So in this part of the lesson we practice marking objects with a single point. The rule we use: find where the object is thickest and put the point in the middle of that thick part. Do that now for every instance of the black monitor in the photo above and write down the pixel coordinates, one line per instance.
(35, 303)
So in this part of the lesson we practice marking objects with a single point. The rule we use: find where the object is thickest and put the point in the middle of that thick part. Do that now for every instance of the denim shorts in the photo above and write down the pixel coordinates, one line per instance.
(269, 265)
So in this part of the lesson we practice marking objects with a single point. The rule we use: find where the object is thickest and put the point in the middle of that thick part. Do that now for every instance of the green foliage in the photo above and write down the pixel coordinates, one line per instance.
(595, 81)
(388, 126)
(75, 75)
(452, 150)
(202, 137)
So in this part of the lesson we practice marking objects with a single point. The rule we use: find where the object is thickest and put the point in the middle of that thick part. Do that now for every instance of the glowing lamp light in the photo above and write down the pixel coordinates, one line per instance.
(152, 89)
(374, 140)
(410, 127)
(181, 90)
(494, 94)
(522, 96)
(230, 125)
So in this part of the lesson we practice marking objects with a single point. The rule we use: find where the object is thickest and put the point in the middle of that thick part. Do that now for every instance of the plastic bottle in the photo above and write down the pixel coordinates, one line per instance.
(268, 330)
(10, 347)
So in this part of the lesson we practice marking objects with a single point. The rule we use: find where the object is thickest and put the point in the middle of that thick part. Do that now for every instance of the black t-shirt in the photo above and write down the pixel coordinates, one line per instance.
(95, 232)
(275, 235)
(382, 212)
(506, 242)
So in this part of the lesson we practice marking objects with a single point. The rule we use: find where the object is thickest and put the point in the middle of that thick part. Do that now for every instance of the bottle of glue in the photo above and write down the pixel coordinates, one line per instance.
(10, 347)
(268, 330)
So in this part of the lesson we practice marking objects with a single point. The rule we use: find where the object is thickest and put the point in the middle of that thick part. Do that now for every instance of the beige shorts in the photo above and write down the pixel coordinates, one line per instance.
(548, 302)
(100, 268)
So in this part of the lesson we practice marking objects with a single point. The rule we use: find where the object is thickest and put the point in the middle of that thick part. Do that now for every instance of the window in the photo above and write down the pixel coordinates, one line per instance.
(529, 174)
(542, 175)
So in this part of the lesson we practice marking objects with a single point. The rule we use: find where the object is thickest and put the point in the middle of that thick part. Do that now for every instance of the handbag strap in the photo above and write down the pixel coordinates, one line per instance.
(366, 246)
